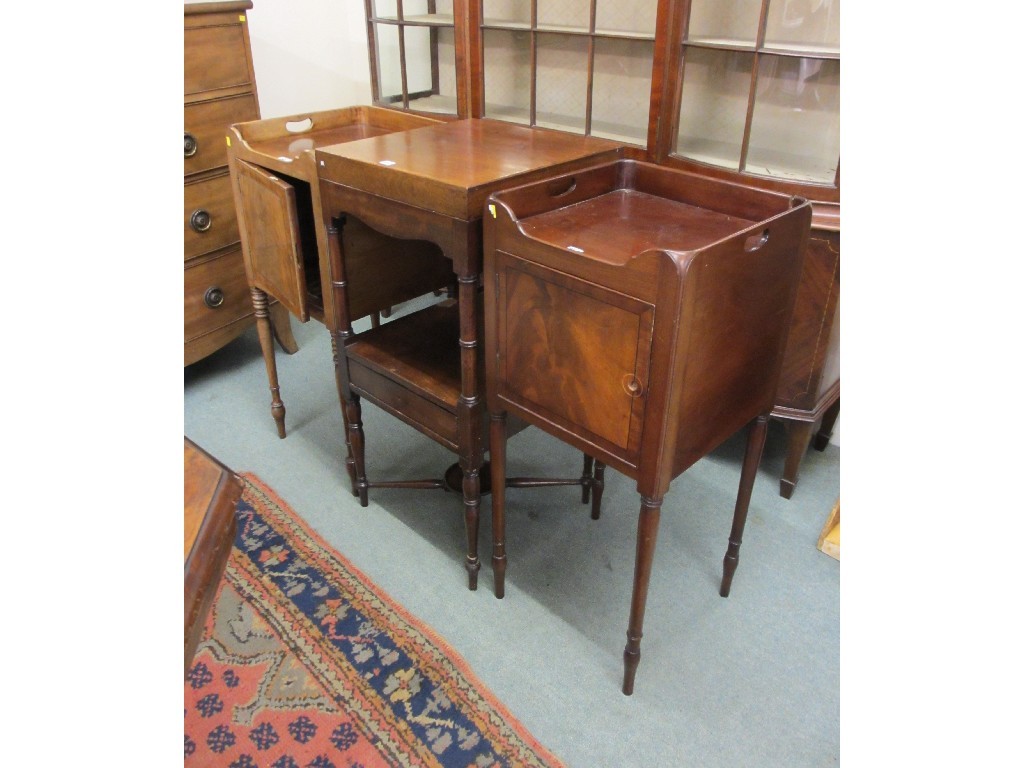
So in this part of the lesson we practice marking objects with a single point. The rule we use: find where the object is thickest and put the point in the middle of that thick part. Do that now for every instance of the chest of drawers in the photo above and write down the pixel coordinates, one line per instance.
(220, 89)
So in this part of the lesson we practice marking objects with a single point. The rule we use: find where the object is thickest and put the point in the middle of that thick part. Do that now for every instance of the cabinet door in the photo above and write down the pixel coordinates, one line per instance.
(269, 217)
(574, 353)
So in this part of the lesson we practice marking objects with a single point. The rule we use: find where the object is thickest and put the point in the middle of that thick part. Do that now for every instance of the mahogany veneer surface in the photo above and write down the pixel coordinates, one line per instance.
(453, 165)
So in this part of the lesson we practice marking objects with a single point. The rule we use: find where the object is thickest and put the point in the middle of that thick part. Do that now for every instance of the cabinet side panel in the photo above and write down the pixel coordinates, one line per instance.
(740, 308)
(809, 343)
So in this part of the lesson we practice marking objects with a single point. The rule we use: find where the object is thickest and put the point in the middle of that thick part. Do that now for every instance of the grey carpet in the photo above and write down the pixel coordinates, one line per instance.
(752, 680)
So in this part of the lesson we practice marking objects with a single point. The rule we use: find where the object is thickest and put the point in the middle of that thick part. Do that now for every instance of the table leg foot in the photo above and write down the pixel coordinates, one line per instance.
(473, 571)
(631, 660)
(496, 475)
(751, 459)
(646, 538)
(471, 504)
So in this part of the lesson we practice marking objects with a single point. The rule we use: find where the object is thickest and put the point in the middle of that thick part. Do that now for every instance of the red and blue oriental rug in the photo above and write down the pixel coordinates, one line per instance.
(306, 664)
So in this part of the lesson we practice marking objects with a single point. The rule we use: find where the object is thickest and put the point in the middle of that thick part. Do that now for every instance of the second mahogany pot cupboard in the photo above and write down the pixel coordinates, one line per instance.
(640, 314)
(746, 91)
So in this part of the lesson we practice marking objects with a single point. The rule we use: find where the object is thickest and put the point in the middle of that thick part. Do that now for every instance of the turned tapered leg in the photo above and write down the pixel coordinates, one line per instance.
(353, 417)
(595, 504)
(499, 435)
(751, 459)
(259, 305)
(342, 387)
(646, 538)
(471, 503)
(798, 438)
(470, 413)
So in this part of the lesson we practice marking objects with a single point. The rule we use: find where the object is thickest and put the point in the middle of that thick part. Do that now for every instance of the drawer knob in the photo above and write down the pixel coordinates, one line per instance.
(191, 147)
(633, 386)
(214, 297)
(200, 220)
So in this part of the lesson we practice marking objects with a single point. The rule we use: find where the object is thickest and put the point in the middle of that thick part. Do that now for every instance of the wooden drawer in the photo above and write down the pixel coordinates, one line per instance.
(411, 407)
(216, 55)
(206, 122)
(209, 204)
(224, 274)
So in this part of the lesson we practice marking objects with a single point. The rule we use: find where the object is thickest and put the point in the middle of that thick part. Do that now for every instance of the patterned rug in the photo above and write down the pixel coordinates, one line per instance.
(305, 663)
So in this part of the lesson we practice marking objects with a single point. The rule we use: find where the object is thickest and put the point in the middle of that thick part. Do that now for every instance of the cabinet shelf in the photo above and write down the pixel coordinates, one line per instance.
(434, 102)
(806, 51)
(422, 19)
(518, 26)
(777, 48)
(419, 351)
(411, 365)
(568, 29)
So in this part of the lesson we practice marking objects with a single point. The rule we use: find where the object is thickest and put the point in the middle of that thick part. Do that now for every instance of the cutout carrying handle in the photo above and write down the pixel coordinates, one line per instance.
(299, 126)
(756, 241)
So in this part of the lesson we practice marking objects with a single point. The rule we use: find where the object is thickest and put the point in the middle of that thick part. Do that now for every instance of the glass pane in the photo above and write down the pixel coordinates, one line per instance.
(713, 108)
(631, 17)
(507, 13)
(385, 8)
(572, 15)
(430, 68)
(622, 89)
(507, 75)
(803, 25)
(562, 82)
(389, 63)
(730, 21)
(795, 130)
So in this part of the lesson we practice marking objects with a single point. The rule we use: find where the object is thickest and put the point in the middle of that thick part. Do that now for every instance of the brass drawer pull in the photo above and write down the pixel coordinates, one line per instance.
(214, 297)
(200, 220)
(191, 146)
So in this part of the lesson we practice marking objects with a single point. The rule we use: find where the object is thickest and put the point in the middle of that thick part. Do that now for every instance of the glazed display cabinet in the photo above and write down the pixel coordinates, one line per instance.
(744, 91)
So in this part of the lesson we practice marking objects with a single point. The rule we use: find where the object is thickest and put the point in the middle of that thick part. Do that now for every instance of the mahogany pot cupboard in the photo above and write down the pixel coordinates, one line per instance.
(277, 197)
(426, 188)
(640, 314)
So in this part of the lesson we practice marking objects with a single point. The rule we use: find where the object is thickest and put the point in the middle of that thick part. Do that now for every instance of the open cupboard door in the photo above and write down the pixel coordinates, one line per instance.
(272, 237)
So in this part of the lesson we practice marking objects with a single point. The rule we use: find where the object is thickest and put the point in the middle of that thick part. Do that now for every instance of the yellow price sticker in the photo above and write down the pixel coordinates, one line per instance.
(494, 213)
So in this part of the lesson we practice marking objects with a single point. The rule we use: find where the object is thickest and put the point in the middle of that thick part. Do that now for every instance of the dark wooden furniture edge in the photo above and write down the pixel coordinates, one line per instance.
(209, 553)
